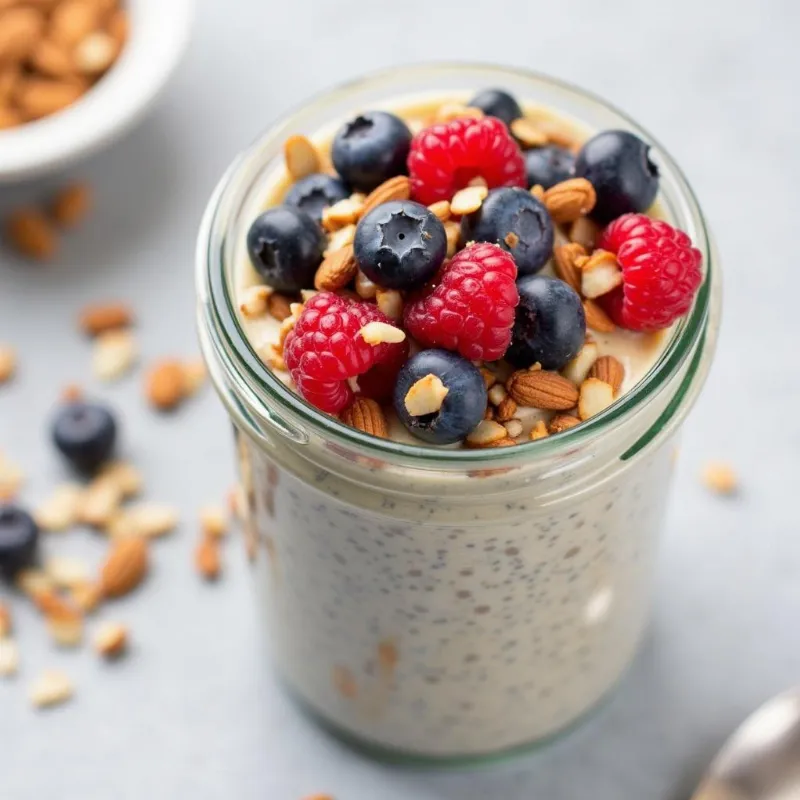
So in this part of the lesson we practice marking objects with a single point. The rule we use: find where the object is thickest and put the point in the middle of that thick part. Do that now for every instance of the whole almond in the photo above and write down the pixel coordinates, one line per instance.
(72, 20)
(542, 389)
(207, 558)
(562, 422)
(596, 318)
(101, 317)
(565, 267)
(51, 58)
(30, 232)
(20, 30)
(397, 188)
(72, 204)
(337, 270)
(609, 370)
(366, 415)
(164, 384)
(125, 566)
(570, 199)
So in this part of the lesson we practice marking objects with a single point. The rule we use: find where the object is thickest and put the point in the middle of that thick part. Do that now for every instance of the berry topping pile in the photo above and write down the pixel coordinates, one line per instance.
(471, 307)
(471, 278)
(446, 157)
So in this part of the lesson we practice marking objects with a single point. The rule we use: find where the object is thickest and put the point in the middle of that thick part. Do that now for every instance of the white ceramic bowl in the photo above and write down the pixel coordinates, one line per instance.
(159, 33)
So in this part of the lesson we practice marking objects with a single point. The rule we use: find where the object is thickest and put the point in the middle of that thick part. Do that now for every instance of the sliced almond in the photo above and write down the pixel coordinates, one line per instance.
(111, 639)
(103, 317)
(570, 199)
(9, 658)
(125, 566)
(564, 257)
(562, 422)
(426, 396)
(577, 370)
(164, 384)
(600, 274)
(441, 210)
(207, 558)
(336, 270)
(382, 333)
(213, 521)
(596, 318)
(390, 302)
(397, 188)
(31, 234)
(301, 156)
(148, 520)
(610, 370)
(542, 389)
(528, 133)
(8, 363)
(51, 688)
(365, 415)
(486, 433)
(253, 301)
(595, 396)
(466, 201)
(114, 354)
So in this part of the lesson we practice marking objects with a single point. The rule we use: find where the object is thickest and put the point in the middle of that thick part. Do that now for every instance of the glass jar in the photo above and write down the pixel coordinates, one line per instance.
(449, 603)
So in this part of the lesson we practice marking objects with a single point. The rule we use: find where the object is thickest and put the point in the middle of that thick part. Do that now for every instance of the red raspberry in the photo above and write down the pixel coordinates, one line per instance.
(471, 308)
(325, 349)
(660, 270)
(445, 157)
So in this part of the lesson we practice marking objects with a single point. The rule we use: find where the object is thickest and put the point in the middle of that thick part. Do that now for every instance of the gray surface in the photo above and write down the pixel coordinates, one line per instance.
(194, 712)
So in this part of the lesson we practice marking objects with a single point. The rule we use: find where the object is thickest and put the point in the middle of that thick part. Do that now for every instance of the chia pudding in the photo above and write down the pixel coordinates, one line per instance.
(435, 587)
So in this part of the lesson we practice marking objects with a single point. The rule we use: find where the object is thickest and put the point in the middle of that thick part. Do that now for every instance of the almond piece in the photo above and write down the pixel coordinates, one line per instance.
(125, 566)
(595, 396)
(486, 433)
(426, 396)
(489, 378)
(513, 428)
(528, 133)
(114, 354)
(278, 306)
(31, 234)
(506, 410)
(72, 20)
(565, 267)
(66, 572)
(450, 111)
(469, 200)
(127, 479)
(600, 273)
(301, 156)
(720, 478)
(382, 333)
(95, 53)
(452, 231)
(364, 414)
(194, 376)
(103, 317)
(342, 238)
(610, 370)
(207, 558)
(33, 582)
(337, 270)
(497, 392)
(20, 30)
(213, 521)
(538, 192)
(397, 188)
(147, 520)
(40, 97)
(86, 596)
(441, 210)
(5, 620)
(8, 363)
(9, 658)
(51, 688)
(542, 389)
(164, 384)
(577, 370)
(585, 232)
(345, 212)
(11, 479)
(390, 302)
(562, 422)
(65, 629)
(111, 640)
(596, 318)
(365, 288)
(489, 413)
(570, 199)
(558, 133)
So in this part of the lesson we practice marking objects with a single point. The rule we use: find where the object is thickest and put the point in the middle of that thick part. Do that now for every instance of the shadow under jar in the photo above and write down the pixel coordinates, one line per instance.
(449, 604)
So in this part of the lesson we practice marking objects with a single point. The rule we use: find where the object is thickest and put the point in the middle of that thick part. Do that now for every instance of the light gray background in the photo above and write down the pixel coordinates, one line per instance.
(194, 712)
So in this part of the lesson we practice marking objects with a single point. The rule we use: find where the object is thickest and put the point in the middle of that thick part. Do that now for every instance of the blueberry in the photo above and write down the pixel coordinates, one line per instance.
(85, 433)
(314, 193)
(518, 222)
(285, 246)
(497, 103)
(400, 244)
(617, 164)
(550, 326)
(549, 165)
(18, 537)
(370, 149)
(463, 406)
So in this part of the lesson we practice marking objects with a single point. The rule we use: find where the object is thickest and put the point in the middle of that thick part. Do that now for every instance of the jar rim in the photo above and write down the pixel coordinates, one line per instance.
(251, 378)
